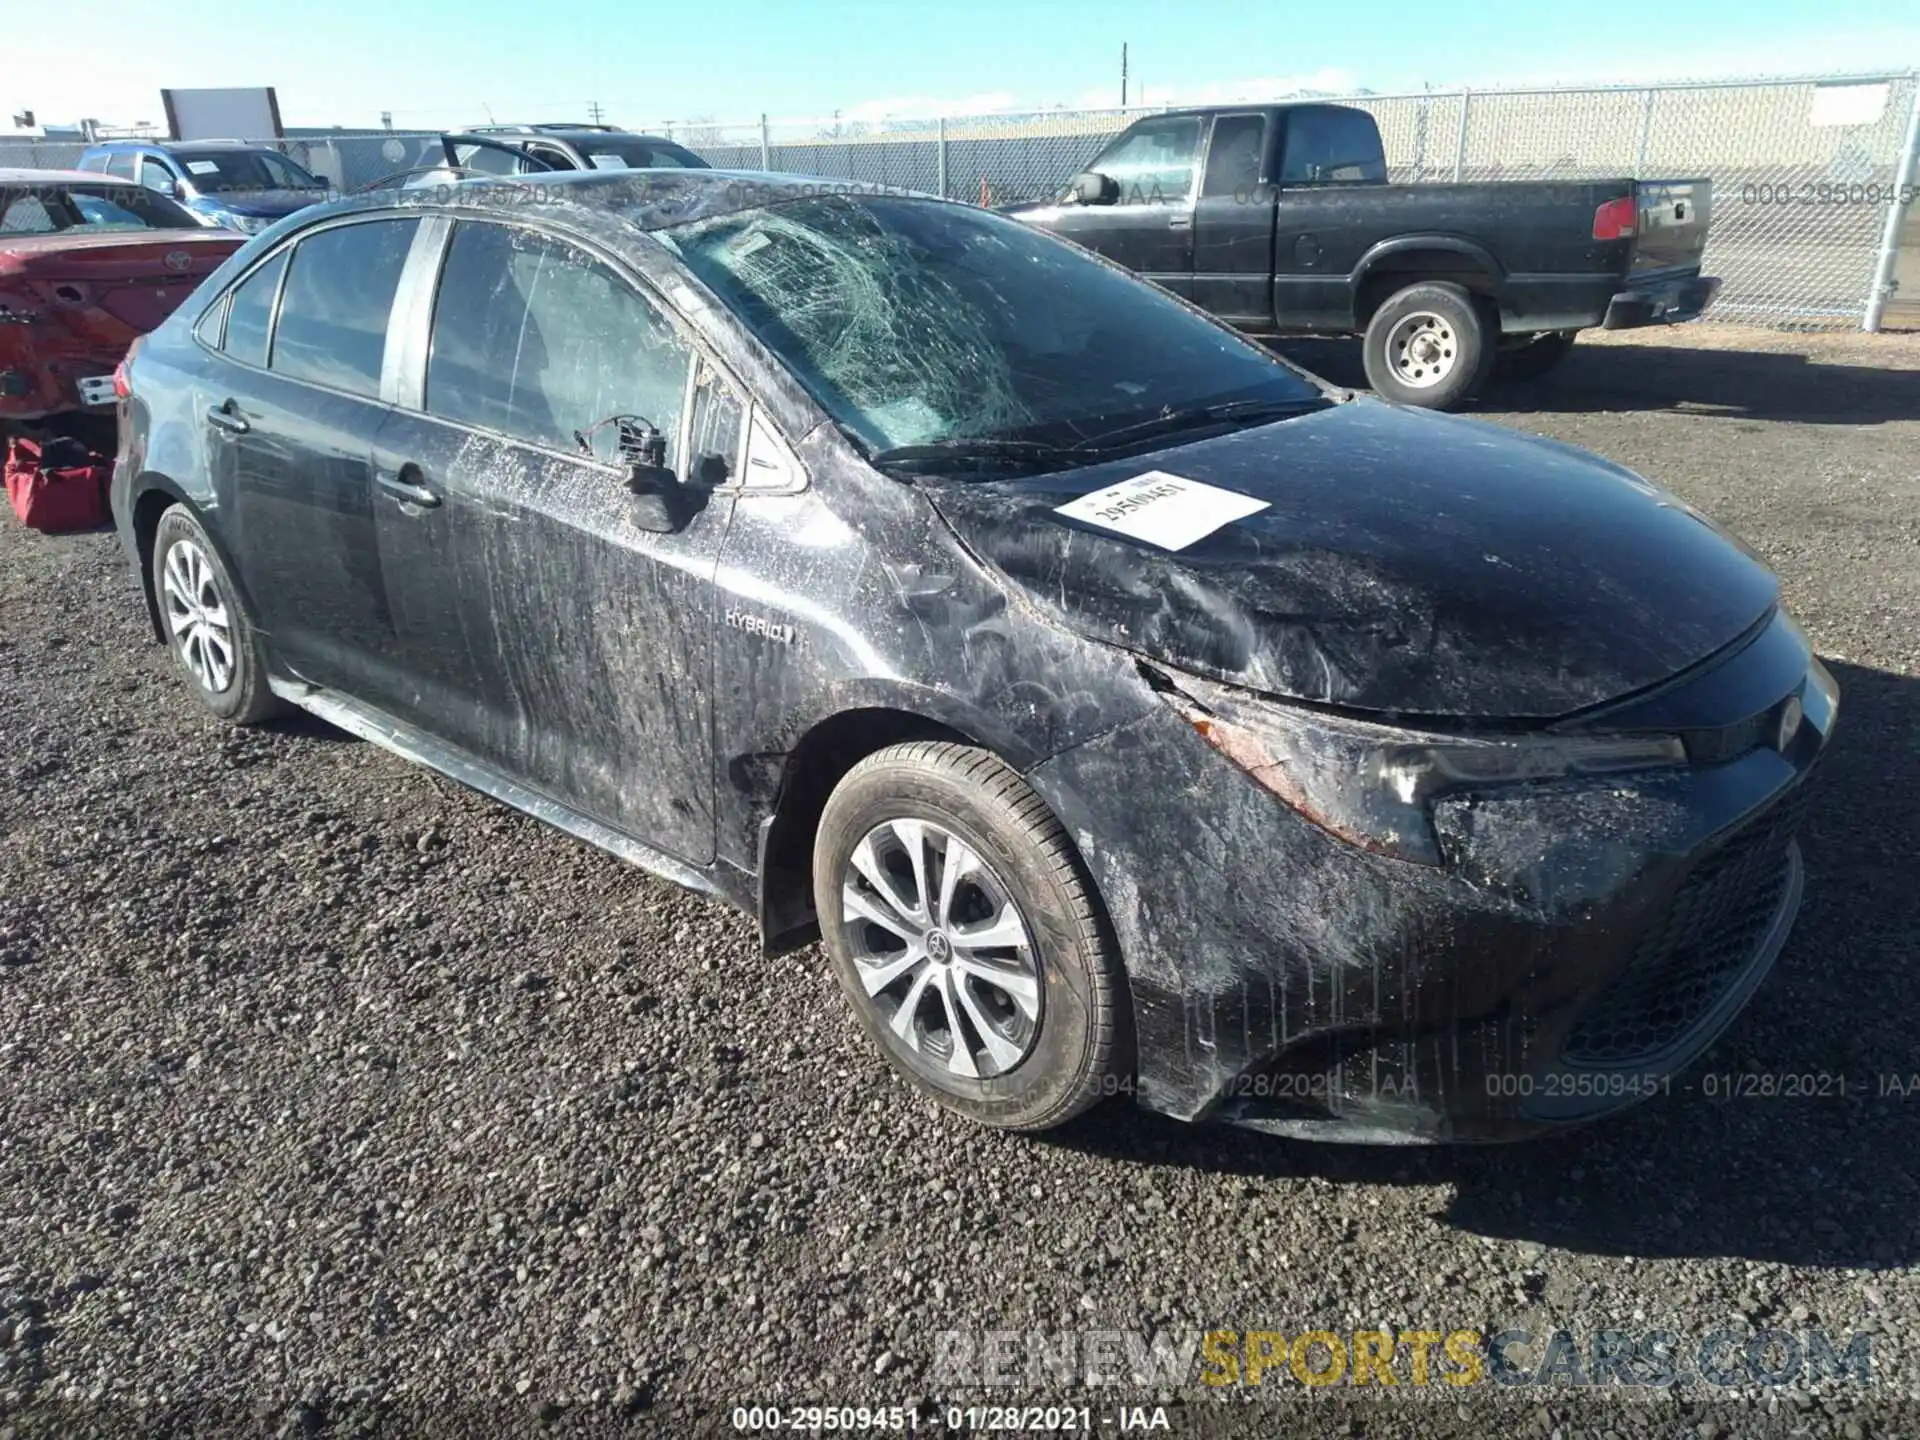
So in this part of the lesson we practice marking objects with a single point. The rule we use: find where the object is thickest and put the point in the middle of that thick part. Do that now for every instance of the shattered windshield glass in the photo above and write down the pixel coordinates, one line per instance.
(916, 324)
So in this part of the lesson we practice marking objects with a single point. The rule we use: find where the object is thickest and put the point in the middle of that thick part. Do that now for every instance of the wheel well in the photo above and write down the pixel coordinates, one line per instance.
(813, 768)
(1392, 273)
(147, 511)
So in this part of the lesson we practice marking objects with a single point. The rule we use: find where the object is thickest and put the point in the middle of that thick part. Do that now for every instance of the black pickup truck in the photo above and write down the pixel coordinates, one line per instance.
(1279, 219)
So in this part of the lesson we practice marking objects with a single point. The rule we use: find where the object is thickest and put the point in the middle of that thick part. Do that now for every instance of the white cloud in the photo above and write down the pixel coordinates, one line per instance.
(916, 107)
(1327, 80)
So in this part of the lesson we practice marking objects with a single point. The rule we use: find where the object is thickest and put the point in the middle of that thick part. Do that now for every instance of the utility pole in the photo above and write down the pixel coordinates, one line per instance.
(1123, 74)
(593, 111)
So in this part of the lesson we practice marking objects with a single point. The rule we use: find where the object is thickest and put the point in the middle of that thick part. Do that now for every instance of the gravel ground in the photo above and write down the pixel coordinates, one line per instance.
(339, 1097)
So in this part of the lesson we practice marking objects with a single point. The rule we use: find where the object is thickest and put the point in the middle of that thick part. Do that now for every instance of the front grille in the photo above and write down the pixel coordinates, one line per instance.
(1690, 956)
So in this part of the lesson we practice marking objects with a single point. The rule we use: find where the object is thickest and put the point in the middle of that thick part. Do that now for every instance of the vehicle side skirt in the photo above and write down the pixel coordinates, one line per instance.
(408, 743)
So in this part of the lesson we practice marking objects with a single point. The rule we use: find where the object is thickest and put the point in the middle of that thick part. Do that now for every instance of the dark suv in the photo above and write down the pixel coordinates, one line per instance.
(228, 183)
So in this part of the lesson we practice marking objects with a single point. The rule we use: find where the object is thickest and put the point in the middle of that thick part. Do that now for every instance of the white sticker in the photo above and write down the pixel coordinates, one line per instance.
(751, 242)
(204, 167)
(608, 162)
(1170, 511)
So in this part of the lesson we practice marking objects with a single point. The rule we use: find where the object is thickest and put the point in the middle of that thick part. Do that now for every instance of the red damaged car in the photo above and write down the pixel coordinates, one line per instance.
(88, 264)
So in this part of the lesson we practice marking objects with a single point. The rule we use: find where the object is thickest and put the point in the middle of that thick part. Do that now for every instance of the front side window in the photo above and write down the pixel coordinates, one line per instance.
(121, 164)
(919, 323)
(536, 339)
(1153, 161)
(339, 293)
(155, 175)
(250, 313)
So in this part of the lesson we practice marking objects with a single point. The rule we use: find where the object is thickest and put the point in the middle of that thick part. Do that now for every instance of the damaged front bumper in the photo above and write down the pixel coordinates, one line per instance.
(1582, 941)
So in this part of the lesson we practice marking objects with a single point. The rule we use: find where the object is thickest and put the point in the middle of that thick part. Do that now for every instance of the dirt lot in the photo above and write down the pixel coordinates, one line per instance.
(337, 1097)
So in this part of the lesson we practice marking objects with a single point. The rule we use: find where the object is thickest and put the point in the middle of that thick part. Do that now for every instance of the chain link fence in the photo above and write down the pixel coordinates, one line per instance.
(1807, 172)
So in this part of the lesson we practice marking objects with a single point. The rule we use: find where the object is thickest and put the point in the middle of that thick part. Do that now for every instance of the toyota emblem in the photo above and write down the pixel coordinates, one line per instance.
(178, 260)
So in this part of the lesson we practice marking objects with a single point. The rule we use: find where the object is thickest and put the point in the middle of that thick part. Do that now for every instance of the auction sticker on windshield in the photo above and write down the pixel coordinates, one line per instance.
(1161, 509)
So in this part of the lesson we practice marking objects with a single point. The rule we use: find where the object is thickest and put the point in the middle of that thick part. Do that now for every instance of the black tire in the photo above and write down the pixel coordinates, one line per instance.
(1457, 336)
(1078, 1048)
(243, 698)
(1533, 357)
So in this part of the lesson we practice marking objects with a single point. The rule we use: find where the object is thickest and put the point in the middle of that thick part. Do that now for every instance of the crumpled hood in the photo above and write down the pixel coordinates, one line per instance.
(1406, 562)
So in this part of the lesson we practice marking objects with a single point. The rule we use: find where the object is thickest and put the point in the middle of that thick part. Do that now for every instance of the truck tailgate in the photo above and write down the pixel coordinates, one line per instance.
(1672, 222)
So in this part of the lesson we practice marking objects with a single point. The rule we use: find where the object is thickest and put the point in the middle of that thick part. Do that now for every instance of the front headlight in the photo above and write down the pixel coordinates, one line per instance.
(1372, 784)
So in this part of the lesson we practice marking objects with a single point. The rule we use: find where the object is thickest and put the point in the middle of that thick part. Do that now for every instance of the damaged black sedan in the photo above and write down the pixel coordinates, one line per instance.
(1126, 709)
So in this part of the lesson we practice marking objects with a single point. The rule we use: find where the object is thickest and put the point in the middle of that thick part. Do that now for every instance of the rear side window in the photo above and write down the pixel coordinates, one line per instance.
(121, 164)
(1332, 147)
(537, 339)
(25, 215)
(333, 317)
(250, 314)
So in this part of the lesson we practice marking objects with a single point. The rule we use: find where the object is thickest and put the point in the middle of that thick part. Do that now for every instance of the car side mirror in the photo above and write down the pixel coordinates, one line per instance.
(165, 185)
(660, 505)
(1090, 187)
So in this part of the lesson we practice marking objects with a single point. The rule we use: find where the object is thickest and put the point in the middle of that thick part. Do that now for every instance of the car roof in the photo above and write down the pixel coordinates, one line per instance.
(572, 134)
(181, 147)
(645, 199)
(59, 177)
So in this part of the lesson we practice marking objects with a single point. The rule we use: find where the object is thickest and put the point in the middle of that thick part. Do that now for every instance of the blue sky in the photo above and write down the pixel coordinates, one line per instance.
(434, 63)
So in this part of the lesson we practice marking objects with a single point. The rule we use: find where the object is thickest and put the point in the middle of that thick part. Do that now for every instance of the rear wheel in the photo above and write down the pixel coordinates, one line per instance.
(1428, 345)
(968, 938)
(206, 627)
(1532, 356)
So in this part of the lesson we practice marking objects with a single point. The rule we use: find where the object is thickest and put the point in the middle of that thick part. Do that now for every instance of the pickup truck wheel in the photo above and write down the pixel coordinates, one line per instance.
(967, 935)
(1428, 345)
(1533, 357)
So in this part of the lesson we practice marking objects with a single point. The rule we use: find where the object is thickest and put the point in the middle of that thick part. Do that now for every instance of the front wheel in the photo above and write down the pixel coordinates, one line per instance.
(1428, 345)
(968, 938)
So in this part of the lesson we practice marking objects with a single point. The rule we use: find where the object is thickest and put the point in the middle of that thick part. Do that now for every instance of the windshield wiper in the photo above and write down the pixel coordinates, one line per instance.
(1229, 412)
(960, 453)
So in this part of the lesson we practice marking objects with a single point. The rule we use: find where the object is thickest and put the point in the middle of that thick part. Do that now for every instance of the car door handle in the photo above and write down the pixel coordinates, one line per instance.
(1180, 222)
(226, 416)
(404, 486)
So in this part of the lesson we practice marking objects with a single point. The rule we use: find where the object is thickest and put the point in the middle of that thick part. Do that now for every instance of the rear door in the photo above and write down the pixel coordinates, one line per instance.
(1233, 223)
(1149, 229)
(291, 413)
(543, 632)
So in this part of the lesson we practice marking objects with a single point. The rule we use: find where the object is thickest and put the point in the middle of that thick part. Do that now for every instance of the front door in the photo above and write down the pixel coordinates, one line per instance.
(544, 632)
(1149, 228)
(291, 413)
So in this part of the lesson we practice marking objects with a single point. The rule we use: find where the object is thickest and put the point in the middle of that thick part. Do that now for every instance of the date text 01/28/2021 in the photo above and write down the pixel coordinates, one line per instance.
(961, 1419)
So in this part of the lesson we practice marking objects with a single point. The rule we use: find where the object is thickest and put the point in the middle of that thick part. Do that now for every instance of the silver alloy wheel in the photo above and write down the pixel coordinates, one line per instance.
(197, 616)
(942, 952)
(1422, 349)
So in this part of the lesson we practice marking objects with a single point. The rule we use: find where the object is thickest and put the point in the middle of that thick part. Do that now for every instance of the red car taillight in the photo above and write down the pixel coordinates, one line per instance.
(1614, 220)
